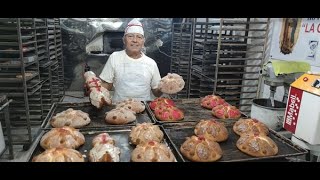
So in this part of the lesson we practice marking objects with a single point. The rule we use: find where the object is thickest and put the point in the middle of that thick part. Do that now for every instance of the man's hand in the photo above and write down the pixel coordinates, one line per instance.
(107, 85)
(157, 92)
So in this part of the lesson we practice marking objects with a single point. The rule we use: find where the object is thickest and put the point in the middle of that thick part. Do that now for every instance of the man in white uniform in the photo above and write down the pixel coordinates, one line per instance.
(130, 71)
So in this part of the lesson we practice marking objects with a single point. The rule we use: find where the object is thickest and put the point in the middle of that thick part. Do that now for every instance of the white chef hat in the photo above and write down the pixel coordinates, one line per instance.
(134, 26)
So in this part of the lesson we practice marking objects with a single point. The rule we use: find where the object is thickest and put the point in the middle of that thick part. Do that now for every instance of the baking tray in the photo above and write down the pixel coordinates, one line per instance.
(178, 132)
(120, 136)
(193, 111)
(96, 116)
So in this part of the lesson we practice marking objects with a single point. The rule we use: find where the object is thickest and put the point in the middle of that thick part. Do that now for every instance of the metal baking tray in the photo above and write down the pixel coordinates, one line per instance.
(192, 111)
(97, 116)
(178, 132)
(120, 136)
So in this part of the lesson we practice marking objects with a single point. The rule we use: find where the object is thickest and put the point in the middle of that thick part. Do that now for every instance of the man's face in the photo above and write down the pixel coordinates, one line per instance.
(134, 42)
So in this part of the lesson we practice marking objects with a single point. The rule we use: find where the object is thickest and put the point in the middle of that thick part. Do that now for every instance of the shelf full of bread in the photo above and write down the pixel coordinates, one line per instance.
(181, 46)
(20, 77)
(226, 59)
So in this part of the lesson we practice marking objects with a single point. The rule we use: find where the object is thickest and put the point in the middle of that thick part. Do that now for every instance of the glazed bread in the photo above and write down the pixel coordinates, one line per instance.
(257, 145)
(120, 116)
(104, 153)
(243, 126)
(134, 105)
(213, 128)
(64, 137)
(168, 113)
(152, 151)
(171, 83)
(70, 117)
(89, 74)
(100, 96)
(211, 101)
(102, 138)
(226, 112)
(160, 102)
(142, 133)
(59, 155)
(201, 149)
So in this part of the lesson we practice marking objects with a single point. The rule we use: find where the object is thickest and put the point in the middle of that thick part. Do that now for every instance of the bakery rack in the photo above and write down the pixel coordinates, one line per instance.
(53, 59)
(226, 58)
(58, 45)
(44, 64)
(181, 53)
(6, 125)
(20, 77)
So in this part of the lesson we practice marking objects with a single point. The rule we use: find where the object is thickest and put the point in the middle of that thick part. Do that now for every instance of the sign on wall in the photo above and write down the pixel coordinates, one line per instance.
(296, 39)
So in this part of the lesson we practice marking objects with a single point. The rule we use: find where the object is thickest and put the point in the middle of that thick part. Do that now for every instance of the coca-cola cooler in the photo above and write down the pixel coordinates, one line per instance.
(302, 114)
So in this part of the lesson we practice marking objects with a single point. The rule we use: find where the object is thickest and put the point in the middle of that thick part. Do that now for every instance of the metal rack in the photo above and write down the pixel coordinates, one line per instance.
(31, 72)
(44, 64)
(226, 57)
(181, 53)
(55, 56)
(58, 42)
(4, 110)
(19, 77)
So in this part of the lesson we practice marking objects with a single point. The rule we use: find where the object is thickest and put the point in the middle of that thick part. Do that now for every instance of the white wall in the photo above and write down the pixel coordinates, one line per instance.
(265, 89)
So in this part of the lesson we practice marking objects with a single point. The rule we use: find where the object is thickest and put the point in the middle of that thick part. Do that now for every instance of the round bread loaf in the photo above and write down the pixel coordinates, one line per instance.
(243, 126)
(70, 117)
(168, 113)
(226, 112)
(64, 137)
(120, 116)
(211, 101)
(102, 138)
(160, 102)
(257, 145)
(59, 155)
(152, 151)
(104, 153)
(142, 133)
(134, 105)
(213, 128)
(201, 149)
(171, 83)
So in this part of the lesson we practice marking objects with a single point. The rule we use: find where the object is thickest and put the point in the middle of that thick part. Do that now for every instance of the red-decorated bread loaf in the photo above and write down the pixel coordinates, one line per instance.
(226, 112)
(168, 113)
